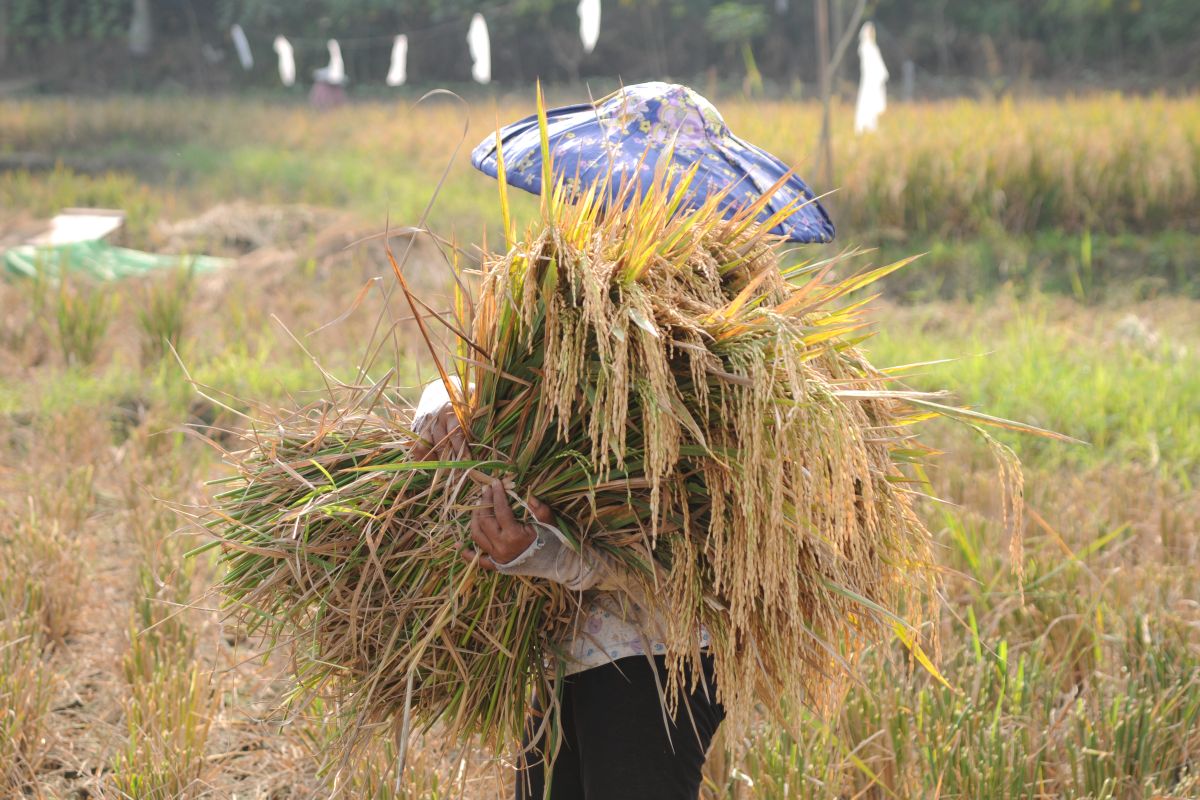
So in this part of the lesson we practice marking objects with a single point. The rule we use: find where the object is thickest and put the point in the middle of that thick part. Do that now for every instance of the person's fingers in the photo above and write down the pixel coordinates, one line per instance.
(485, 561)
(486, 516)
(427, 440)
(448, 420)
(421, 443)
(541, 512)
(480, 518)
(455, 442)
(439, 435)
(503, 511)
(437, 431)
(458, 439)
(481, 539)
(491, 529)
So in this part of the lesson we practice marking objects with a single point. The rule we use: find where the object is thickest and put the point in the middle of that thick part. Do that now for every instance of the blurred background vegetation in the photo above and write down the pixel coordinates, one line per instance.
(985, 45)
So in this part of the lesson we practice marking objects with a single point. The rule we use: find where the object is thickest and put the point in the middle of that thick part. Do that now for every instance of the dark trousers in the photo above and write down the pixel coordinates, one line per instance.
(617, 743)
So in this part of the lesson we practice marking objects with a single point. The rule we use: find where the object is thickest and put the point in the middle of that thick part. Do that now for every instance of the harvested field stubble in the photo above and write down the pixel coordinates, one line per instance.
(1107, 635)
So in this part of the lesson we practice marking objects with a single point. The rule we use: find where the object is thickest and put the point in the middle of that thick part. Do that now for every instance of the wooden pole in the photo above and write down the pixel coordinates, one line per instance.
(3, 31)
(838, 23)
(825, 148)
(826, 68)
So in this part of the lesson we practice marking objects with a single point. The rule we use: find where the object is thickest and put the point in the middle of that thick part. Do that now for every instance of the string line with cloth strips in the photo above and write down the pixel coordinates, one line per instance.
(686, 403)
(285, 46)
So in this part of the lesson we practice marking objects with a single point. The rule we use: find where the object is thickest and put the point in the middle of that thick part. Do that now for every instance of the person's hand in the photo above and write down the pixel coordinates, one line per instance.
(439, 436)
(497, 534)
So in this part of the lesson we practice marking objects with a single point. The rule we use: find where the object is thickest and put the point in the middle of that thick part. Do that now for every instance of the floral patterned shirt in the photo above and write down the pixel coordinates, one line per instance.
(613, 624)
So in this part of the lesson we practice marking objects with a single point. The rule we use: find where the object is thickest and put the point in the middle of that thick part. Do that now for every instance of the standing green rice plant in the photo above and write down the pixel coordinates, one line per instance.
(82, 315)
(41, 571)
(26, 690)
(171, 701)
(1137, 734)
(431, 772)
(163, 303)
(169, 712)
(172, 698)
(24, 331)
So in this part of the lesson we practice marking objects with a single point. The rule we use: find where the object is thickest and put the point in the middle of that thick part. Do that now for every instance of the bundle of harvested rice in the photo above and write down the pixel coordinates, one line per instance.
(685, 404)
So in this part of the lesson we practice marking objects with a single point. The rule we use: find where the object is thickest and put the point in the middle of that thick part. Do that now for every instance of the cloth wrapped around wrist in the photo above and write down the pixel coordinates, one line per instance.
(549, 556)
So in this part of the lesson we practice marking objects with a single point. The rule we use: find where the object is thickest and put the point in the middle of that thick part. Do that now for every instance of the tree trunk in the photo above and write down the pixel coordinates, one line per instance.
(941, 37)
(3, 31)
(839, 30)
(141, 28)
(1152, 29)
(825, 150)
(826, 66)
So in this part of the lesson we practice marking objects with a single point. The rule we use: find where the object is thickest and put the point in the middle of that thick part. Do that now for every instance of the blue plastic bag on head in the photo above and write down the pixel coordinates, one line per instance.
(633, 134)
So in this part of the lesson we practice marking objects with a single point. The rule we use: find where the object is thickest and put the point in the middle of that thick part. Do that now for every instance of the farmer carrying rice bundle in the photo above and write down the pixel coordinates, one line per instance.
(657, 486)
(616, 741)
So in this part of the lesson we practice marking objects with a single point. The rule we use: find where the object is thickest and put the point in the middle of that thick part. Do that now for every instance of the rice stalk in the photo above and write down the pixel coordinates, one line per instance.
(169, 713)
(27, 688)
(82, 317)
(162, 314)
(41, 571)
(171, 702)
(431, 771)
(172, 699)
(24, 329)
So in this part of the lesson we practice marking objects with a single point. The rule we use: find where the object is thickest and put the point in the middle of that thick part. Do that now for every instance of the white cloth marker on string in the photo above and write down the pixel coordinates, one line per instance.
(398, 71)
(242, 45)
(872, 82)
(287, 61)
(481, 50)
(589, 23)
(334, 73)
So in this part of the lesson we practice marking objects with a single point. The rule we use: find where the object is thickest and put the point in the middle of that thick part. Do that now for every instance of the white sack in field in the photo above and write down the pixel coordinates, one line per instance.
(287, 61)
(589, 23)
(872, 86)
(398, 71)
(481, 50)
(242, 45)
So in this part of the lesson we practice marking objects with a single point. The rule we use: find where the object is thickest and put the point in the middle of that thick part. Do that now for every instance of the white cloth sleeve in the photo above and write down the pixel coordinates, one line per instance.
(549, 556)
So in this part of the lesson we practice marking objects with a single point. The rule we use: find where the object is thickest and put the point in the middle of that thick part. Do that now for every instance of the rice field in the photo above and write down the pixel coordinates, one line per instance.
(1062, 230)
(1104, 164)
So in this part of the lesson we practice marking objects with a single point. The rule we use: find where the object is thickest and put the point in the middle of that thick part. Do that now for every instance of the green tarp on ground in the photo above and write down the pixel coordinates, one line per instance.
(98, 260)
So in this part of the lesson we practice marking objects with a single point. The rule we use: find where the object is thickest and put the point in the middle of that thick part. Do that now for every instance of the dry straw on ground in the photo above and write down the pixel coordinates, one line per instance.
(690, 407)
